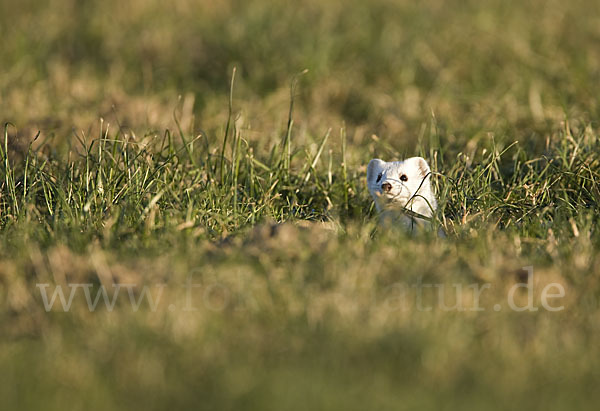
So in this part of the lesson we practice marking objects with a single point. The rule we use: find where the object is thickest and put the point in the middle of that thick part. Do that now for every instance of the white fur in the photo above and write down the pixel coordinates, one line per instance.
(410, 187)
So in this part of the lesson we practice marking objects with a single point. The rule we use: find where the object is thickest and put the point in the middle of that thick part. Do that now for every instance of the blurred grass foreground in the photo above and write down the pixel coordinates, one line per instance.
(184, 221)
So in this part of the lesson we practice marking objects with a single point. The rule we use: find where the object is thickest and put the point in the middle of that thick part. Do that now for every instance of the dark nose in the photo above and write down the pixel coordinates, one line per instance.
(386, 187)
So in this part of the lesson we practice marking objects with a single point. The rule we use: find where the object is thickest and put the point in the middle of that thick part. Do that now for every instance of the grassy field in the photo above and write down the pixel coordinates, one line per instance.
(192, 174)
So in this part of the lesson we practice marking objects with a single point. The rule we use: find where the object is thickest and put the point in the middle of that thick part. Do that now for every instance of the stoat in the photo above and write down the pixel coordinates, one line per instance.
(402, 190)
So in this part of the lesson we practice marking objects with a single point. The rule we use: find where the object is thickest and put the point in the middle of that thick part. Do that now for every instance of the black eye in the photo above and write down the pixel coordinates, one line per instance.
(378, 178)
(403, 177)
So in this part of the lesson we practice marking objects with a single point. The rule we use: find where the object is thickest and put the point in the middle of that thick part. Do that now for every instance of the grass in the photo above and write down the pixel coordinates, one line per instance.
(155, 147)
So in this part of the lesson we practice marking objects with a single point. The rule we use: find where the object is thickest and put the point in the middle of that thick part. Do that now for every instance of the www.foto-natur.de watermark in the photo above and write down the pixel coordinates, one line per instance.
(218, 296)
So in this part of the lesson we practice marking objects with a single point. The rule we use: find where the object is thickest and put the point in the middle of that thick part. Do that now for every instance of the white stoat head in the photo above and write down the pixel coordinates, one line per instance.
(401, 183)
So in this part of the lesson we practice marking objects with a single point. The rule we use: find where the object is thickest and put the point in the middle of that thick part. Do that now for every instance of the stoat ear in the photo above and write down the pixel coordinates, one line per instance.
(421, 166)
(373, 168)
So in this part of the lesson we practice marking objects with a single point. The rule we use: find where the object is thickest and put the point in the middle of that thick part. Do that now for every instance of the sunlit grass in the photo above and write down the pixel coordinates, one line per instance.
(146, 147)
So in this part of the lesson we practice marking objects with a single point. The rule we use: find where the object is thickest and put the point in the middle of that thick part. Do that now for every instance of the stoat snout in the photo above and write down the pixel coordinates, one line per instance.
(386, 187)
